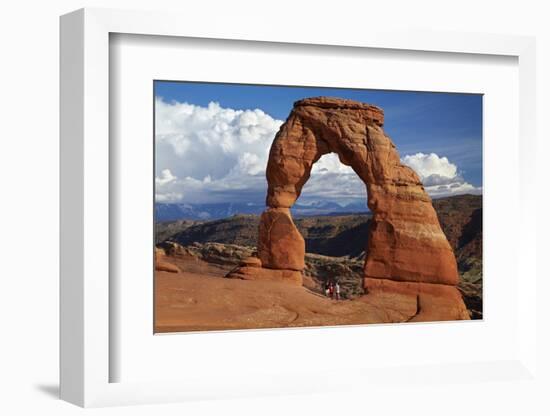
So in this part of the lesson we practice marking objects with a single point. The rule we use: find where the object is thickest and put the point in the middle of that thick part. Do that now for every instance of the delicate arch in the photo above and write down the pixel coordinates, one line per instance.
(407, 252)
(406, 242)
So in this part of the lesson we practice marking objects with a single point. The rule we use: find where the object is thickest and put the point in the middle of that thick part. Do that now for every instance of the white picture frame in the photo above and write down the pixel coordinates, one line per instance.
(86, 355)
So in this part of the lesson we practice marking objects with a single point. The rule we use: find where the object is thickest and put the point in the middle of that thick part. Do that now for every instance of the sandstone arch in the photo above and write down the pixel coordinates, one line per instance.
(407, 250)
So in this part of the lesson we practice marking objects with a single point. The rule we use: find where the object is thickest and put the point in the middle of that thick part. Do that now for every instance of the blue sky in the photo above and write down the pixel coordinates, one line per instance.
(448, 125)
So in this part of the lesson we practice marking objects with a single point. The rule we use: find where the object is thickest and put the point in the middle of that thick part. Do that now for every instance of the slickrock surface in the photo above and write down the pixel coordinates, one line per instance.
(199, 298)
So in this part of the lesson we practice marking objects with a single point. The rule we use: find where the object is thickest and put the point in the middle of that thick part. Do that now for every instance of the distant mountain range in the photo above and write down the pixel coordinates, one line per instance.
(337, 234)
(174, 212)
(331, 235)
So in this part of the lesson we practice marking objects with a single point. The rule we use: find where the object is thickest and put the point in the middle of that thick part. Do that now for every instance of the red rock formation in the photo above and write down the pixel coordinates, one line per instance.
(280, 244)
(161, 264)
(434, 302)
(406, 243)
(251, 262)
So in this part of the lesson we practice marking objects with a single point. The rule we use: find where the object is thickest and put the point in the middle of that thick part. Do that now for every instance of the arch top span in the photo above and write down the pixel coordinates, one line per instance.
(371, 112)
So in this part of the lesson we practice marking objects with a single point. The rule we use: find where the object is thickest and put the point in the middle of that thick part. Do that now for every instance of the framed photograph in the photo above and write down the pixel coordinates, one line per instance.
(240, 212)
(316, 220)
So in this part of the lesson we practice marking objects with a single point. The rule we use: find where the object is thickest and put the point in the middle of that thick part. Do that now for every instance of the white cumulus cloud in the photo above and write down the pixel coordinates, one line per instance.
(331, 179)
(427, 165)
(439, 176)
(212, 150)
(165, 178)
(166, 187)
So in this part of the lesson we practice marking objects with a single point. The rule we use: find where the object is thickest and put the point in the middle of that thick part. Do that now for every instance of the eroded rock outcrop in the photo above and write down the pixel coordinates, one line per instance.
(280, 244)
(405, 244)
(161, 263)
